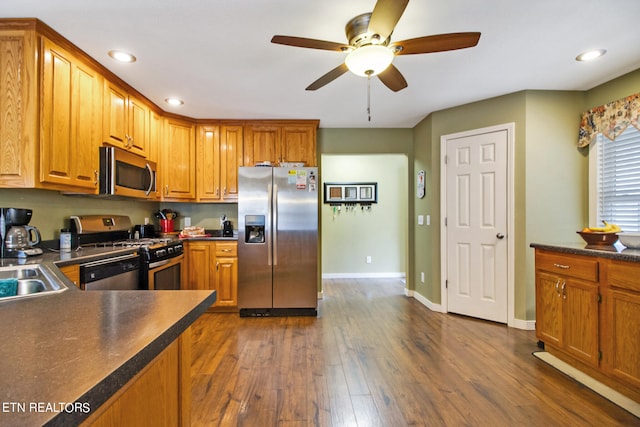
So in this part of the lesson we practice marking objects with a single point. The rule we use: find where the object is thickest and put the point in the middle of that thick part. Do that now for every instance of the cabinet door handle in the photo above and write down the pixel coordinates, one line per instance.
(166, 190)
(564, 289)
(96, 173)
(558, 287)
(217, 265)
(562, 266)
(217, 191)
(225, 191)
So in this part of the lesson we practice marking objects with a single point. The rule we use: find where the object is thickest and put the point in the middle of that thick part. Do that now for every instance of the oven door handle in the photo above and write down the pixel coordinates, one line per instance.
(110, 260)
(159, 263)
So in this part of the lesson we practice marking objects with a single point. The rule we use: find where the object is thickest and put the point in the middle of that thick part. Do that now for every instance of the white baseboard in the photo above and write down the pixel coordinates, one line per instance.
(389, 275)
(529, 325)
(424, 301)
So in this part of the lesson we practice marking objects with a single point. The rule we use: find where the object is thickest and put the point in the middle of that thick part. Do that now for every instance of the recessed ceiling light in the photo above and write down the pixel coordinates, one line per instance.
(122, 56)
(590, 55)
(174, 102)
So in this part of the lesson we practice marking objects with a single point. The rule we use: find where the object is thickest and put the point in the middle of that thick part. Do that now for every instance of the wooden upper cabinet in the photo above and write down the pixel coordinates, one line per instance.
(71, 120)
(18, 109)
(299, 144)
(156, 133)
(208, 184)
(261, 144)
(277, 142)
(126, 120)
(177, 168)
(231, 148)
(58, 106)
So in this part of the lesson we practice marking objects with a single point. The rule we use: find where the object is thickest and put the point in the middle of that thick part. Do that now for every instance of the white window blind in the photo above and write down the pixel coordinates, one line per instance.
(619, 179)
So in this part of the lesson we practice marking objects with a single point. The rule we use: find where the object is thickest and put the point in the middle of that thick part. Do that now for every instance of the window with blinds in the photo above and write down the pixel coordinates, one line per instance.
(619, 179)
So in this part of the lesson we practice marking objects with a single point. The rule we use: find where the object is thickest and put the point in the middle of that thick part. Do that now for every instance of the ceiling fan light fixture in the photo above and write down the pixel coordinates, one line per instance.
(369, 60)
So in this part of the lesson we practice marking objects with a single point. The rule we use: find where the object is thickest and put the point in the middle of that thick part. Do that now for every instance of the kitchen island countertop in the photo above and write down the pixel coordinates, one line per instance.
(82, 347)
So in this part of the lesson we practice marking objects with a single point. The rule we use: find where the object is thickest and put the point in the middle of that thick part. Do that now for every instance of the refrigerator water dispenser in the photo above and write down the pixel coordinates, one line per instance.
(254, 228)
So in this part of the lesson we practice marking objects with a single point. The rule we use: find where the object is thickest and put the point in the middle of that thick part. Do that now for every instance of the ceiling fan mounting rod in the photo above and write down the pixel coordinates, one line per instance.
(357, 30)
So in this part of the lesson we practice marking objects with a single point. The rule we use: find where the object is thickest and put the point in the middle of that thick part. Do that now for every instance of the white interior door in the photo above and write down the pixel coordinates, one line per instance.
(476, 225)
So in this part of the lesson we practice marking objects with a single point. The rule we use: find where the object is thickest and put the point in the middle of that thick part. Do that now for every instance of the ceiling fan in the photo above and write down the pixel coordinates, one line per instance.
(371, 50)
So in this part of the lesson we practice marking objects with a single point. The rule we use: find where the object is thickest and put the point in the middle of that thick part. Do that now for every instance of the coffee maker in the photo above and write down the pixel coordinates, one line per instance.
(18, 238)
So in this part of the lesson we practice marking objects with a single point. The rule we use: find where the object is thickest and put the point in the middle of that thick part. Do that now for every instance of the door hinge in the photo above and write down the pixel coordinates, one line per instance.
(445, 221)
(445, 159)
(599, 355)
(599, 298)
(446, 284)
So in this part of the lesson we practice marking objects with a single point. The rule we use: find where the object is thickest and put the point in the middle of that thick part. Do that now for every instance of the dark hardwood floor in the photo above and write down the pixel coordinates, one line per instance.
(374, 357)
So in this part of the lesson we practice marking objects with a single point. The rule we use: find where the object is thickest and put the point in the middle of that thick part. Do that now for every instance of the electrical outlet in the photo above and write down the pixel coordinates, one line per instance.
(368, 259)
(187, 221)
(428, 219)
(420, 219)
(422, 276)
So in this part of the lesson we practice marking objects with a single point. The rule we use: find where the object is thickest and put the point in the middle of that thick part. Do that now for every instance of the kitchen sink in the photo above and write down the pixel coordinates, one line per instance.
(32, 280)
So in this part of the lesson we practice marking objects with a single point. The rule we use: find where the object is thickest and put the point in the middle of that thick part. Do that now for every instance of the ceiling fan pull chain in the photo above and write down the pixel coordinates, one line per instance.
(369, 96)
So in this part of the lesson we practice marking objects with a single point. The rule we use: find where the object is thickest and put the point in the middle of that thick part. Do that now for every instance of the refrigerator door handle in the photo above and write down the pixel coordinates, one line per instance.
(275, 224)
(268, 228)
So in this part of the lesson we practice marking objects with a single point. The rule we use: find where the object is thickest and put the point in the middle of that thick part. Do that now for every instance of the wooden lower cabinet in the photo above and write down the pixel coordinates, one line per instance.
(622, 322)
(72, 272)
(226, 274)
(588, 314)
(567, 315)
(160, 395)
(213, 265)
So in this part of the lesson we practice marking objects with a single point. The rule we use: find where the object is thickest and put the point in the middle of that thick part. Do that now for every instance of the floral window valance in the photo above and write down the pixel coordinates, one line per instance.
(610, 119)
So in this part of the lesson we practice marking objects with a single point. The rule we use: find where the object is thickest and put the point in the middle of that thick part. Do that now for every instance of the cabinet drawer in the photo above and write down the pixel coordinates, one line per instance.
(226, 249)
(624, 275)
(576, 266)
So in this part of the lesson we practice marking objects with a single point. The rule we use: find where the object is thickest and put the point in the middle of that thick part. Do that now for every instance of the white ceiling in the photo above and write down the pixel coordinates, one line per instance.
(217, 55)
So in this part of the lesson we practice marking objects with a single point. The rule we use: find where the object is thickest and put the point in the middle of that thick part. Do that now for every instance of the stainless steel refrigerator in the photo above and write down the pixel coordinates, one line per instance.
(277, 241)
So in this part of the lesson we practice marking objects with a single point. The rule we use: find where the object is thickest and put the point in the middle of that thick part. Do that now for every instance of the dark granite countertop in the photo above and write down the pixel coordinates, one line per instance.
(616, 251)
(79, 346)
(76, 256)
(214, 235)
(211, 238)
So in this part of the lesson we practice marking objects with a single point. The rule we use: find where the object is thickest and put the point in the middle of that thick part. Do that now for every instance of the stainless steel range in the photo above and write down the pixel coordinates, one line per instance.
(157, 264)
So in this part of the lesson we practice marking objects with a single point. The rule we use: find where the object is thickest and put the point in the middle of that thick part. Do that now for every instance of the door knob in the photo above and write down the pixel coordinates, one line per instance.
(500, 236)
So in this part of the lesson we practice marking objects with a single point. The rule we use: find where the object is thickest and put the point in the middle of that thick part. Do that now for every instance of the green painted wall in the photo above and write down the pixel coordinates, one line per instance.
(504, 109)
(550, 174)
(51, 210)
(363, 142)
(349, 236)
(615, 89)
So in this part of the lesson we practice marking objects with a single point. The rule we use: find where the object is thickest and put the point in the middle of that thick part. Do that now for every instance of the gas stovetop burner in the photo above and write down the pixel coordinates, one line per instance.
(133, 243)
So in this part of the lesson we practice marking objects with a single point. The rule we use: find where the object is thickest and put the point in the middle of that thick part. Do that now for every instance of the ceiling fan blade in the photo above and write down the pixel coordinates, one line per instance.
(393, 79)
(437, 43)
(309, 43)
(385, 16)
(329, 77)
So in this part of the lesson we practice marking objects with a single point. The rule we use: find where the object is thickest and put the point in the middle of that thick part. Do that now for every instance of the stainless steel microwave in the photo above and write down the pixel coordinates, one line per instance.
(126, 174)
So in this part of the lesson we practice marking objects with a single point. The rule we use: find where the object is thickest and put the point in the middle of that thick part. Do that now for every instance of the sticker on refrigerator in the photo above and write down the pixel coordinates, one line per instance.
(291, 178)
(301, 180)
